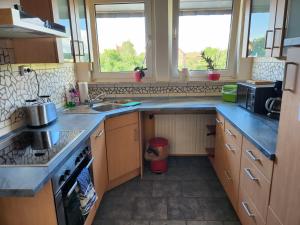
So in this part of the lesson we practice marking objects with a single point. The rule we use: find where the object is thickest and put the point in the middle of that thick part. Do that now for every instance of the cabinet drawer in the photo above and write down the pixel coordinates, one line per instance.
(121, 121)
(247, 212)
(263, 164)
(256, 186)
(232, 136)
(220, 121)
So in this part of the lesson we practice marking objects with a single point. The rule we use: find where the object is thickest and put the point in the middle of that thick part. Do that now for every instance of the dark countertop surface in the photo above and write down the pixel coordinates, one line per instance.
(26, 181)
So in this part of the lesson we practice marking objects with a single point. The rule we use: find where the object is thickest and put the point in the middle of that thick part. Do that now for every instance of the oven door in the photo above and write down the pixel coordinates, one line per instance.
(70, 199)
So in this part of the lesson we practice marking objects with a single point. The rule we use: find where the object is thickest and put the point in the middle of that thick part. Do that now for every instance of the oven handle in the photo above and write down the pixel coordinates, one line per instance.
(70, 192)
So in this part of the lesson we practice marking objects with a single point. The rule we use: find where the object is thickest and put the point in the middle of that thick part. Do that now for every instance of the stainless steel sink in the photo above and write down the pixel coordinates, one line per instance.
(107, 107)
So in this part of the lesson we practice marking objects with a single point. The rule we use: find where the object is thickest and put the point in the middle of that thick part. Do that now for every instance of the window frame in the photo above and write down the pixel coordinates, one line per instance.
(230, 72)
(125, 76)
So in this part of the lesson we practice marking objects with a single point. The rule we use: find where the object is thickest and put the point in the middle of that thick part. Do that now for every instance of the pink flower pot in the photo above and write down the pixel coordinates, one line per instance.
(138, 76)
(214, 75)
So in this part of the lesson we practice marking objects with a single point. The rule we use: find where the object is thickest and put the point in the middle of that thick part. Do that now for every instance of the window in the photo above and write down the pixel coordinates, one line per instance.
(204, 26)
(121, 32)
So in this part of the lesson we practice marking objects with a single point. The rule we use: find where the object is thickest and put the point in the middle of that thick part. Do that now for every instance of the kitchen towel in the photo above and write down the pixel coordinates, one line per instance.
(131, 104)
(87, 193)
(83, 91)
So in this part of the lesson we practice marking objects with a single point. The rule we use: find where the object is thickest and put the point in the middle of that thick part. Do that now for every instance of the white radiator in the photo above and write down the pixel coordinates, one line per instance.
(187, 133)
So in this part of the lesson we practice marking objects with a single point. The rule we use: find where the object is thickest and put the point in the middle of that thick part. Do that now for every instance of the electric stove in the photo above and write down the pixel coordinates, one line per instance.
(35, 148)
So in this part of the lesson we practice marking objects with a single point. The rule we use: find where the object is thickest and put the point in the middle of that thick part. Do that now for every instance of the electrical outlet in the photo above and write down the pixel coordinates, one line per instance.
(24, 70)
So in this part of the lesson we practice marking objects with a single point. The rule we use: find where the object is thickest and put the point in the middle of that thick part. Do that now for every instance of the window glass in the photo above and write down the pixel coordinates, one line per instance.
(259, 21)
(121, 36)
(204, 26)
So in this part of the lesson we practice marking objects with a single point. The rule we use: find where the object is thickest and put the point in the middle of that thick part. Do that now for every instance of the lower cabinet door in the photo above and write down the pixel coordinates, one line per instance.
(100, 162)
(123, 151)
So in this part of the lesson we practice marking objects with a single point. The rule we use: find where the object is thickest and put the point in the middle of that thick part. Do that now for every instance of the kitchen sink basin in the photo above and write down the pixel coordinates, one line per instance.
(107, 107)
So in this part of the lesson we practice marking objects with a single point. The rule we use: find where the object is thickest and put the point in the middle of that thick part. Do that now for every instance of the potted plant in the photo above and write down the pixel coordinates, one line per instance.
(212, 73)
(139, 73)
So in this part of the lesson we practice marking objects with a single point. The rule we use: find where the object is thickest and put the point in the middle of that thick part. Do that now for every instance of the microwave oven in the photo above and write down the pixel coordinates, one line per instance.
(253, 97)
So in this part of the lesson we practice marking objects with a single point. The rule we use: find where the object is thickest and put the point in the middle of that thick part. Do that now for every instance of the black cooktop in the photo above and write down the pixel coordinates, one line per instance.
(35, 148)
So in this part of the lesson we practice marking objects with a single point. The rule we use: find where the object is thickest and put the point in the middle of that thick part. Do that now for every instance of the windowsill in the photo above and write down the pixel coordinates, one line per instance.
(152, 81)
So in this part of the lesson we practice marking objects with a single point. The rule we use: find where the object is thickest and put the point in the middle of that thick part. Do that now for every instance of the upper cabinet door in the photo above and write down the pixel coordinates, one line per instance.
(82, 31)
(292, 37)
(63, 17)
(257, 17)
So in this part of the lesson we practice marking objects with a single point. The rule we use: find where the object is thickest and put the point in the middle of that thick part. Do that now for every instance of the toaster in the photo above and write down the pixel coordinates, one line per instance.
(40, 114)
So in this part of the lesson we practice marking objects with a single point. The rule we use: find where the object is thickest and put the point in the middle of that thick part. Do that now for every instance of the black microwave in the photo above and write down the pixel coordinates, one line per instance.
(253, 97)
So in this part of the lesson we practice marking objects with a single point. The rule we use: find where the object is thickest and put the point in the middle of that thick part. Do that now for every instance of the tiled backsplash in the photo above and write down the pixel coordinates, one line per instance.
(158, 89)
(267, 69)
(15, 89)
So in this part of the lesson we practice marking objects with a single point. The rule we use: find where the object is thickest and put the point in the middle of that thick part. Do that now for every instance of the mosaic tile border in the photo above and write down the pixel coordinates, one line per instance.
(159, 89)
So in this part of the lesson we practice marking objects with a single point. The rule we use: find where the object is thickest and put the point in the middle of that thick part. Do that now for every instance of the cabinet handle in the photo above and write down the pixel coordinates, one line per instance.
(249, 174)
(229, 148)
(247, 210)
(251, 155)
(100, 133)
(76, 48)
(285, 76)
(219, 121)
(227, 131)
(81, 47)
(276, 30)
(266, 41)
(228, 177)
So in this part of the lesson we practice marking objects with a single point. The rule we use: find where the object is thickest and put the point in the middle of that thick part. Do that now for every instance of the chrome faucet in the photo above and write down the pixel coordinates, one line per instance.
(99, 98)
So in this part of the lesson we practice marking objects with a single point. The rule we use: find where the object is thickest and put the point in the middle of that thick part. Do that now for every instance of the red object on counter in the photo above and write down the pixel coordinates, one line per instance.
(214, 76)
(159, 166)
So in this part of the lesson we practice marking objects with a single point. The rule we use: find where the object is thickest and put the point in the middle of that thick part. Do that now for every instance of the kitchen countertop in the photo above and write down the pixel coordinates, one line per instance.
(26, 181)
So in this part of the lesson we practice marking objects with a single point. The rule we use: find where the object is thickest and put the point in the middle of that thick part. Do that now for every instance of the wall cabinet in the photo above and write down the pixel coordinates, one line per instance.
(73, 15)
(264, 29)
(123, 148)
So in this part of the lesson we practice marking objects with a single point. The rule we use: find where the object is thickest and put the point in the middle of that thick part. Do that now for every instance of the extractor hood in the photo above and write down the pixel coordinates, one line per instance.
(15, 23)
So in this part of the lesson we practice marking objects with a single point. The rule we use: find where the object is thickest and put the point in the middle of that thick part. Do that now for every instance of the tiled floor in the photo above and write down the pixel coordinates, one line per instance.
(189, 194)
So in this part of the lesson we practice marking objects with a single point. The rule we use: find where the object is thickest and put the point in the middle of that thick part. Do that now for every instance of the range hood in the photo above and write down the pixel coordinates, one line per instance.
(15, 23)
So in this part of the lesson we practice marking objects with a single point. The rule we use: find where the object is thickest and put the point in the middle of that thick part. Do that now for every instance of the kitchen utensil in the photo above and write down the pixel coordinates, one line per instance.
(40, 113)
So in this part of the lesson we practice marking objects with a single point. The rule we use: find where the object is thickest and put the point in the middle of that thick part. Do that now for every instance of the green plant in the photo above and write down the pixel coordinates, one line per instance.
(141, 70)
(209, 61)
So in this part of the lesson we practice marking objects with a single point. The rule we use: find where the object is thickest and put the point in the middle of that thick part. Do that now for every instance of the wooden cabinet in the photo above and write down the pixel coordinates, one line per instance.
(227, 157)
(70, 13)
(100, 173)
(264, 28)
(285, 191)
(36, 210)
(244, 172)
(256, 186)
(123, 148)
(247, 212)
(219, 144)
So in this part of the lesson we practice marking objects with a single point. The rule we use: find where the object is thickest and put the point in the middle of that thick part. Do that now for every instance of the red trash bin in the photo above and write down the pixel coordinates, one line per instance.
(157, 152)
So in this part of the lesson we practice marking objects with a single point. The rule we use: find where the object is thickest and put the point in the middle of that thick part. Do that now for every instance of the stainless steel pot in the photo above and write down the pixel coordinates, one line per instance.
(40, 114)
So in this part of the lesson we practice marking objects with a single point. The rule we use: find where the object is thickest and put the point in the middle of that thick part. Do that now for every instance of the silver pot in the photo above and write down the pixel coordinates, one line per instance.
(40, 114)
